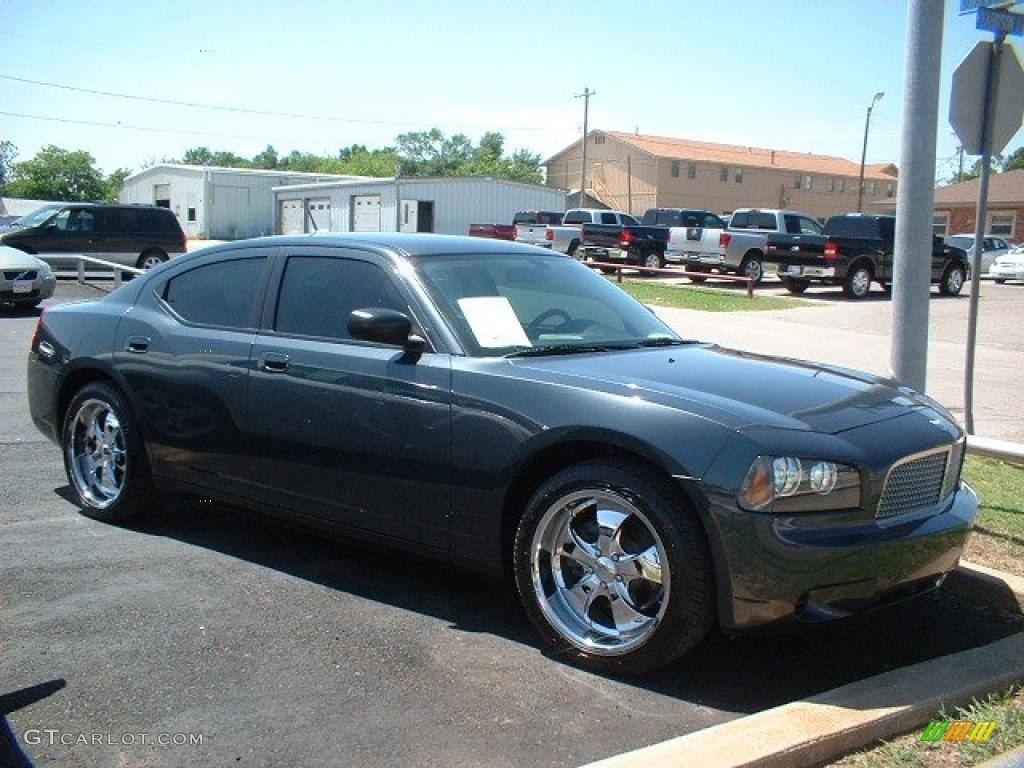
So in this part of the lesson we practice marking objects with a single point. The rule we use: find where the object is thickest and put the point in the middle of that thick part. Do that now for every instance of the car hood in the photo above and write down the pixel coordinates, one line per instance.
(12, 258)
(737, 389)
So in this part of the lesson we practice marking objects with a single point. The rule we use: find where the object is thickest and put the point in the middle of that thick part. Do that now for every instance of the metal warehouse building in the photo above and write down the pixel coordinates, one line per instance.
(446, 205)
(215, 202)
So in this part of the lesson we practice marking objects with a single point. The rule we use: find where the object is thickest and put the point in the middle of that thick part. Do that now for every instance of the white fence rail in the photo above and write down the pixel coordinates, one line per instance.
(118, 269)
(996, 449)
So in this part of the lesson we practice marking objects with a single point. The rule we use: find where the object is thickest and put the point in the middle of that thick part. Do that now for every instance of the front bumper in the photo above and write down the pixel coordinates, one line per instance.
(40, 288)
(789, 568)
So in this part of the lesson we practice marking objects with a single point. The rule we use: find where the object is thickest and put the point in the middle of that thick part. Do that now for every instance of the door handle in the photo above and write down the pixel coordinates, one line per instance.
(138, 345)
(275, 362)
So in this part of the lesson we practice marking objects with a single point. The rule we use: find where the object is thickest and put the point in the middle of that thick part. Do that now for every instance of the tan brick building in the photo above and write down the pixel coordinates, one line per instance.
(955, 206)
(634, 172)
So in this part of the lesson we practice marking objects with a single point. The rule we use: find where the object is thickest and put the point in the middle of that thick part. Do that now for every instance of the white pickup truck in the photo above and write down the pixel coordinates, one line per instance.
(692, 233)
(566, 238)
(741, 246)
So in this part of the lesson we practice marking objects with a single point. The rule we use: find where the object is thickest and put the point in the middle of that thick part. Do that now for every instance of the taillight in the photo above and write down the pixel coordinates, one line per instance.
(549, 234)
(832, 250)
(626, 238)
(769, 246)
(38, 333)
(724, 239)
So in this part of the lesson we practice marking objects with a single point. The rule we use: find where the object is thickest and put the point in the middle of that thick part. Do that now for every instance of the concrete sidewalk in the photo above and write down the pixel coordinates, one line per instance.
(858, 335)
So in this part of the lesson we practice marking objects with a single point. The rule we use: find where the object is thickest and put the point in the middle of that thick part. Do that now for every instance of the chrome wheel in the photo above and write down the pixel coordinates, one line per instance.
(753, 269)
(652, 261)
(97, 454)
(860, 282)
(955, 281)
(600, 573)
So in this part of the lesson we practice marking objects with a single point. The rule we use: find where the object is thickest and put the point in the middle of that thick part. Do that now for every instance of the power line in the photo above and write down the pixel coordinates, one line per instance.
(223, 108)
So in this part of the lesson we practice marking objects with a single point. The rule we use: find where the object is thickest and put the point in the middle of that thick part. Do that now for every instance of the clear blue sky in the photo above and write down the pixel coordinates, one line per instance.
(786, 74)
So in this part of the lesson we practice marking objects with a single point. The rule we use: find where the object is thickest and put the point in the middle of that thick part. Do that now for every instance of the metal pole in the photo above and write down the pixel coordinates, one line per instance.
(587, 93)
(863, 157)
(991, 90)
(912, 258)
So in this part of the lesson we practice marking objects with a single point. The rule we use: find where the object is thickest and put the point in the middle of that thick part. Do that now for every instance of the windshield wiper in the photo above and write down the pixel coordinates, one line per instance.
(666, 341)
(568, 349)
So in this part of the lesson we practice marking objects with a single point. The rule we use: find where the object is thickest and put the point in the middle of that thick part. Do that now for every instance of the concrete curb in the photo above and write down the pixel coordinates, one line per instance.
(826, 726)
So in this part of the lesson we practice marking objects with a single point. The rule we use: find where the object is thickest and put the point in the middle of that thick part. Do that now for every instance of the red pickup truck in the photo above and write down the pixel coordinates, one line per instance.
(508, 231)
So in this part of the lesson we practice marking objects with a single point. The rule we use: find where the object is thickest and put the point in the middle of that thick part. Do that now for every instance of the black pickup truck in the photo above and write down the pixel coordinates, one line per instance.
(854, 251)
(645, 245)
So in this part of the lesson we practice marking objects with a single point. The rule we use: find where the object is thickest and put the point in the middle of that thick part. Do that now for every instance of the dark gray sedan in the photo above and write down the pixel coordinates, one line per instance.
(508, 410)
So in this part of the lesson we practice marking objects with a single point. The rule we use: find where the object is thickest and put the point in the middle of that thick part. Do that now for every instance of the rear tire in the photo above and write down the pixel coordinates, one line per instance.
(651, 260)
(571, 251)
(694, 278)
(953, 280)
(151, 259)
(795, 285)
(752, 267)
(1000, 281)
(857, 283)
(614, 572)
(104, 457)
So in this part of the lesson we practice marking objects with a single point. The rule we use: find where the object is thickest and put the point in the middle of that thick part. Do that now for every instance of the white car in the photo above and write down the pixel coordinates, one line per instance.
(1009, 266)
(24, 280)
(992, 248)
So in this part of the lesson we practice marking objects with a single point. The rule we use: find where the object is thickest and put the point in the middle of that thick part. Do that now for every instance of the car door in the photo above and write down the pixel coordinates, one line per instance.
(68, 233)
(351, 431)
(184, 351)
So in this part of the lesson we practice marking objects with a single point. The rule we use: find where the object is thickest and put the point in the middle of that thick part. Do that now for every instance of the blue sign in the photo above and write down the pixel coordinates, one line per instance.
(966, 6)
(995, 20)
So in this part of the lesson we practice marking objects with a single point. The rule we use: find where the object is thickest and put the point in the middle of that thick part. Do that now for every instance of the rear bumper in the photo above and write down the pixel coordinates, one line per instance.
(796, 270)
(42, 383)
(1006, 273)
(780, 570)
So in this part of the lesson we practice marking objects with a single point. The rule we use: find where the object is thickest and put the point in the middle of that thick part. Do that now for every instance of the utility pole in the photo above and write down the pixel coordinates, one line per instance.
(864, 151)
(912, 259)
(960, 163)
(629, 184)
(587, 93)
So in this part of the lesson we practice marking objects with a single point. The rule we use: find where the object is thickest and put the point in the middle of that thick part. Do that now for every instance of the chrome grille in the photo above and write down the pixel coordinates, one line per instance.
(19, 274)
(914, 483)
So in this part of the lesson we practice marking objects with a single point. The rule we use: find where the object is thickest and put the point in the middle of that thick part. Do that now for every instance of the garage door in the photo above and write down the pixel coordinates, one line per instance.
(366, 213)
(290, 217)
(320, 215)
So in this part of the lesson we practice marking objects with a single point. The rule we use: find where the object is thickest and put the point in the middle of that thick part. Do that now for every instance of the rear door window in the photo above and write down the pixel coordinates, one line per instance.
(578, 217)
(221, 294)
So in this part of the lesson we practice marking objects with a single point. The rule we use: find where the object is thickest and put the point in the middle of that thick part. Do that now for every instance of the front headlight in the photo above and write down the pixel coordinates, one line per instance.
(791, 484)
(44, 268)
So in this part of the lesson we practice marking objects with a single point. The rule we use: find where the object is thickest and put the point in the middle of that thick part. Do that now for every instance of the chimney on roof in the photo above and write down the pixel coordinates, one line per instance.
(773, 158)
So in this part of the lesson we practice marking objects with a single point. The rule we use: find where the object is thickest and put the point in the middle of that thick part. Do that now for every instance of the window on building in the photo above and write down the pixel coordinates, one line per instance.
(738, 176)
(890, 189)
(830, 185)
(723, 174)
(191, 214)
(335, 287)
(798, 181)
(940, 224)
(806, 182)
(691, 171)
(221, 294)
(676, 166)
(599, 138)
(840, 185)
(1001, 223)
(872, 188)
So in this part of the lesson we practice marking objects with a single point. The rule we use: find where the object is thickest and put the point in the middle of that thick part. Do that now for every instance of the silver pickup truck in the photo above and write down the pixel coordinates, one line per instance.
(565, 237)
(741, 246)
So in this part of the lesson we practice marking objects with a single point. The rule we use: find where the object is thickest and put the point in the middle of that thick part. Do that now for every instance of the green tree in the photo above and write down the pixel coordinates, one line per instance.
(1014, 161)
(57, 174)
(198, 156)
(266, 159)
(975, 170)
(114, 182)
(7, 154)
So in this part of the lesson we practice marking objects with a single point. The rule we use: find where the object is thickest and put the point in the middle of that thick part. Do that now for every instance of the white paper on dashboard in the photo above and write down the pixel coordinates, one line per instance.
(493, 322)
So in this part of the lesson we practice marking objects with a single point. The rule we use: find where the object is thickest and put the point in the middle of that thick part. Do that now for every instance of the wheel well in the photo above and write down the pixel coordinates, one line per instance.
(858, 262)
(753, 253)
(74, 382)
(544, 465)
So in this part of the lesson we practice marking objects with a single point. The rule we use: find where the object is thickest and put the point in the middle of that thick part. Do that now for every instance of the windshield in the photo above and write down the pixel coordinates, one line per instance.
(498, 304)
(37, 217)
(960, 242)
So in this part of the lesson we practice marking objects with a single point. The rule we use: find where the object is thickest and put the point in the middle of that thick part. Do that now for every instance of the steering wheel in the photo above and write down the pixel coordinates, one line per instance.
(534, 328)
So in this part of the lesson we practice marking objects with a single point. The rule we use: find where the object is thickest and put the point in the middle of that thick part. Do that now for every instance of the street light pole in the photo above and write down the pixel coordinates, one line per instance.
(864, 151)
(587, 93)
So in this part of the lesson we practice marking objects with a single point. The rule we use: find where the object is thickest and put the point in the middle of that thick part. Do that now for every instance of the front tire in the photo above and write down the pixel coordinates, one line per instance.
(612, 569)
(953, 280)
(103, 456)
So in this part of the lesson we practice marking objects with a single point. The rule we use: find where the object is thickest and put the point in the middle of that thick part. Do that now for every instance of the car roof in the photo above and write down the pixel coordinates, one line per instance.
(126, 206)
(407, 244)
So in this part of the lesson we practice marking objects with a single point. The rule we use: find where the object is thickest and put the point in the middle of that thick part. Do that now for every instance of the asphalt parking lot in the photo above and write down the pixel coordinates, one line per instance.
(282, 648)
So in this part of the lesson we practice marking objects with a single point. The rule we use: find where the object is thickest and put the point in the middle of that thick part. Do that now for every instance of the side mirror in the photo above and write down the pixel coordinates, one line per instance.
(384, 326)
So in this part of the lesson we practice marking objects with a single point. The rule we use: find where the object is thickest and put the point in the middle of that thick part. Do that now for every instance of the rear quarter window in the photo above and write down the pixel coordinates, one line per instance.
(221, 294)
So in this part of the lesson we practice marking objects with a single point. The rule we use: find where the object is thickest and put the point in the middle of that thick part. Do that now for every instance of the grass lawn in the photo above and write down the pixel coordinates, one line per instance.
(707, 299)
(910, 752)
(998, 538)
